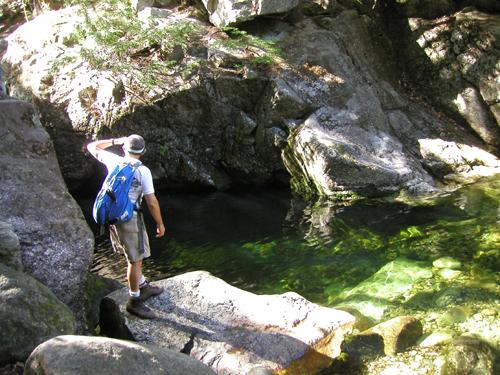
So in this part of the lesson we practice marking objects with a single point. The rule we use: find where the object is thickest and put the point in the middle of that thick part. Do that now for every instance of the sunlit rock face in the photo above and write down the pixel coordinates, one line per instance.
(232, 12)
(232, 330)
(456, 64)
(329, 113)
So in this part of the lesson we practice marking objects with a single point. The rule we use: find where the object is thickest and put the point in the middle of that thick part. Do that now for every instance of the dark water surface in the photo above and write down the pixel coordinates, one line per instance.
(267, 242)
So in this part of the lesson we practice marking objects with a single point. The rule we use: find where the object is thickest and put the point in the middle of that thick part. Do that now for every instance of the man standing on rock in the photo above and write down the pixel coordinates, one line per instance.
(130, 238)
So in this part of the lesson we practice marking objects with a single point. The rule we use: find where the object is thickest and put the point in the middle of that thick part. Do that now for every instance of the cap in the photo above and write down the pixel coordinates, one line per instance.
(135, 144)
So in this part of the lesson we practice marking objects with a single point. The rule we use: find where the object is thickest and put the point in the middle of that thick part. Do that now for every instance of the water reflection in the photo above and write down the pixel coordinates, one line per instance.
(270, 242)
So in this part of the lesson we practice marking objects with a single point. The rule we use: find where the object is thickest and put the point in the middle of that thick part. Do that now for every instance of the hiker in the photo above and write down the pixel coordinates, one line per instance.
(130, 238)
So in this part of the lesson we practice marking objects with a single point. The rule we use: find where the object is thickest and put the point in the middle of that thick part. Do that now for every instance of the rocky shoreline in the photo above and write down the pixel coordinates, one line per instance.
(329, 118)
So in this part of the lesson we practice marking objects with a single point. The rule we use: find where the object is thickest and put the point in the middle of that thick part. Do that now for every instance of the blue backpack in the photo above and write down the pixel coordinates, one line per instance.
(112, 205)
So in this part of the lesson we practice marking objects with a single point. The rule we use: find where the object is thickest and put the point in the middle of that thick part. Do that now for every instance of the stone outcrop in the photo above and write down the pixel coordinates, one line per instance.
(29, 315)
(454, 63)
(232, 12)
(330, 112)
(78, 355)
(10, 250)
(232, 330)
(35, 201)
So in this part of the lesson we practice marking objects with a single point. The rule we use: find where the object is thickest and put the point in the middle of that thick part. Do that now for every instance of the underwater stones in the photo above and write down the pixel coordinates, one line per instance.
(447, 262)
(374, 295)
(77, 355)
(450, 296)
(468, 355)
(449, 274)
(232, 330)
(439, 337)
(484, 325)
(454, 315)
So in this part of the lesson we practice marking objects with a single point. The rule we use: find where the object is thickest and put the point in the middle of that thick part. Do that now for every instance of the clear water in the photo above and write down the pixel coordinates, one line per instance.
(267, 242)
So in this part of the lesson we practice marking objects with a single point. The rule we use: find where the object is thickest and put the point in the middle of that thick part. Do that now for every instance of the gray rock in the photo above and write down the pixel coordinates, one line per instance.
(231, 12)
(447, 262)
(439, 337)
(231, 330)
(96, 289)
(84, 355)
(56, 242)
(29, 315)
(10, 250)
(398, 333)
(455, 64)
(468, 355)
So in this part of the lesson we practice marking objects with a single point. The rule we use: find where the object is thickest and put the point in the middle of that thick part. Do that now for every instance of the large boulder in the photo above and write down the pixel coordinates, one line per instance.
(10, 250)
(29, 315)
(365, 137)
(455, 63)
(80, 355)
(232, 12)
(232, 330)
(56, 242)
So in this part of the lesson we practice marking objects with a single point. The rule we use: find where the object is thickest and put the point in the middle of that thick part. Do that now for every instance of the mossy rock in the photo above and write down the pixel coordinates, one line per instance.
(29, 315)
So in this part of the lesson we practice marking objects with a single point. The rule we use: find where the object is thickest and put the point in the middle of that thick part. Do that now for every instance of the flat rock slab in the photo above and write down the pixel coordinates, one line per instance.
(232, 330)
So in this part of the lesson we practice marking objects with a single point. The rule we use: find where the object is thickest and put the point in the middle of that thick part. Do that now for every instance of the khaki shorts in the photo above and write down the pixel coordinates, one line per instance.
(131, 239)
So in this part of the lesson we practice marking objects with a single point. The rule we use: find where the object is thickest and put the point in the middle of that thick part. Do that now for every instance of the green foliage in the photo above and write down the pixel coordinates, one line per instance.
(163, 150)
(113, 38)
(265, 51)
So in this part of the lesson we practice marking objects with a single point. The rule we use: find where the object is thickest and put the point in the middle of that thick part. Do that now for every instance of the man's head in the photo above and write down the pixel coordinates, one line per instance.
(135, 145)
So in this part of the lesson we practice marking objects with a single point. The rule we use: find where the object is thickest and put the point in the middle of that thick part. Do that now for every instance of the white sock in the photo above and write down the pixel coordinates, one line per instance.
(134, 294)
(142, 281)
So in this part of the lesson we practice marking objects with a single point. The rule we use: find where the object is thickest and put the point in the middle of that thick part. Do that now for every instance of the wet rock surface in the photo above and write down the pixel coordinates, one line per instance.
(331, 100)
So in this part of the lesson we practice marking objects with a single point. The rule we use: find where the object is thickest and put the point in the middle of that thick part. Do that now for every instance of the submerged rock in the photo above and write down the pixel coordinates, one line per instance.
(232, 330)
(440, 337)
(468, 355)
(447, 262)
(29, 315)
(375, 295)
(80, 355)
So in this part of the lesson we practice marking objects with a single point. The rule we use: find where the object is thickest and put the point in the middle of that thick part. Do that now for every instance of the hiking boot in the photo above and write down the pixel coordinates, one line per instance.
(136, 307)
(149, 290)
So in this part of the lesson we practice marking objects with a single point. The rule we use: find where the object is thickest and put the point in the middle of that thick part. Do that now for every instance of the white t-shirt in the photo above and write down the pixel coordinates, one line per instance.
(143, 180)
